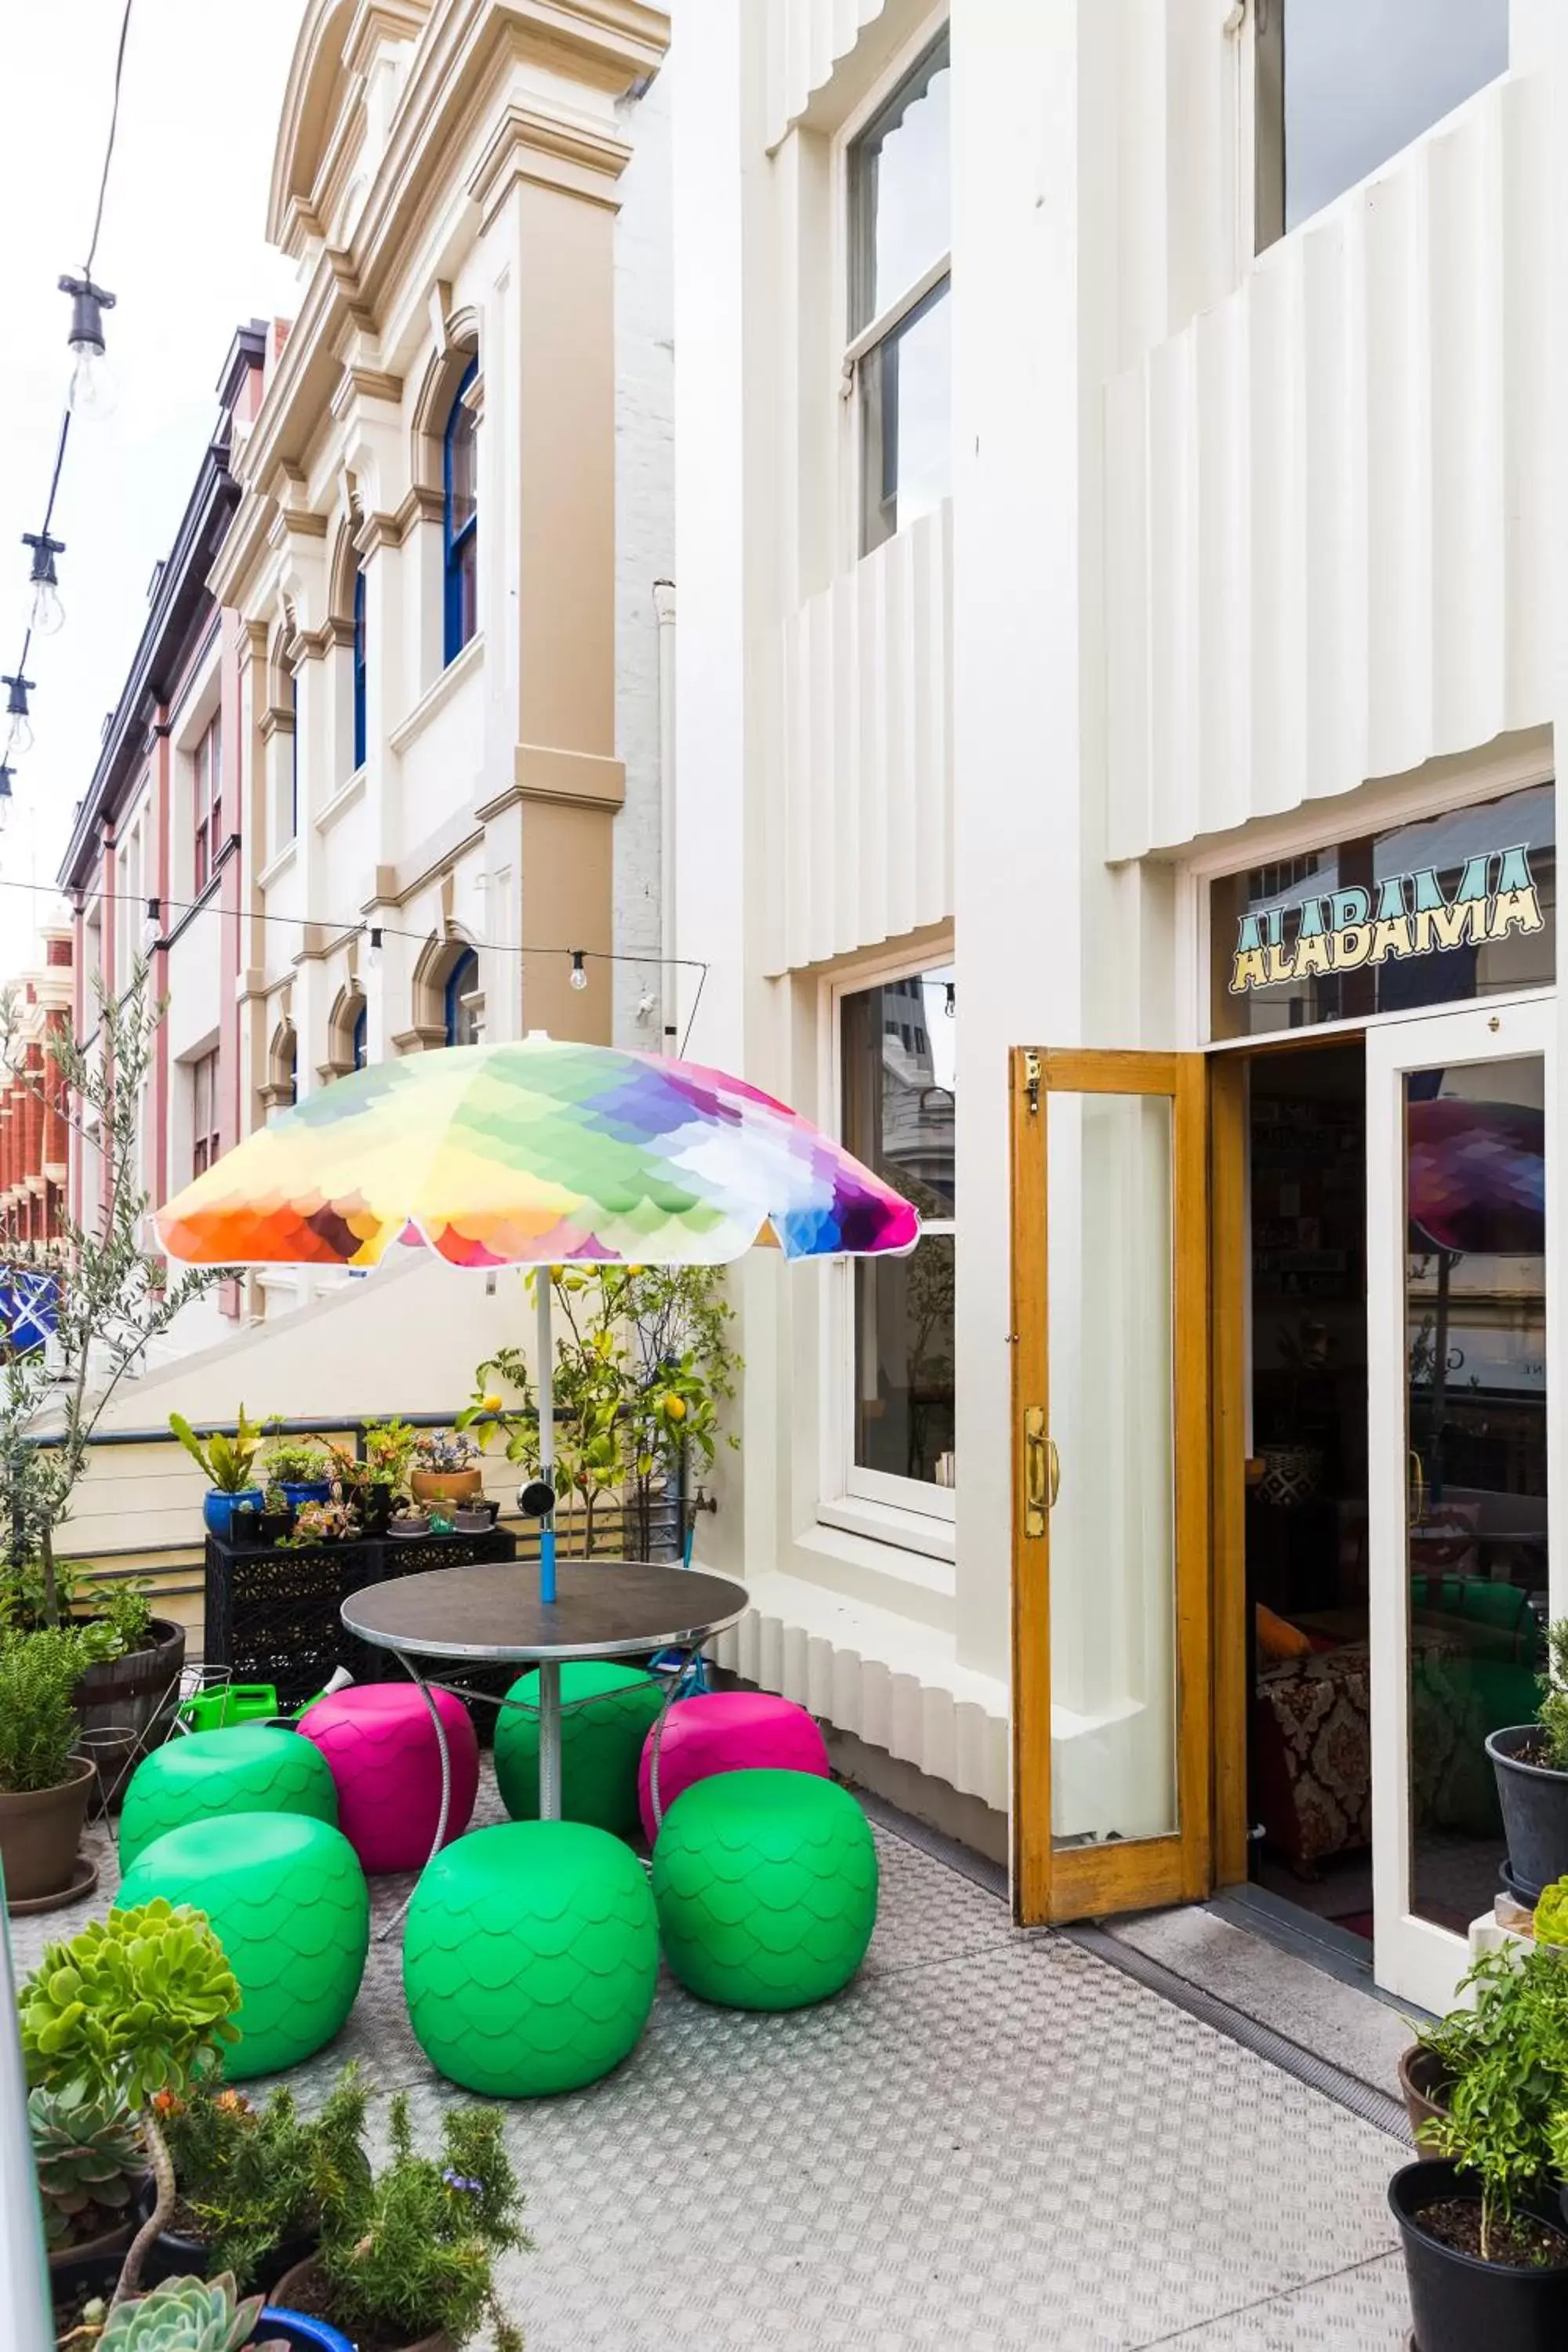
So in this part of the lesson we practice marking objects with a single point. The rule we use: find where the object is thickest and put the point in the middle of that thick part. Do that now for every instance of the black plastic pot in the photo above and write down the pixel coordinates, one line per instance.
(1461, 2304)
(128, 1705)
(82, 2275)
(1534, 1801)
(176, 2257)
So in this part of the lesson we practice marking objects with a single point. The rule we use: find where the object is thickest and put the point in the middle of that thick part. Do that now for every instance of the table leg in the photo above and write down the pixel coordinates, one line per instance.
(549, 1740)
(446, 1755)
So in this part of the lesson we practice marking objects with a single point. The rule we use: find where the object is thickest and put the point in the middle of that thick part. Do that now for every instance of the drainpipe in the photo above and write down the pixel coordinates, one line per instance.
(668, 994)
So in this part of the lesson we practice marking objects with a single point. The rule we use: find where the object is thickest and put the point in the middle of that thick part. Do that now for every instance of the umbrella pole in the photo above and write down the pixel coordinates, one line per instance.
(546, 1347)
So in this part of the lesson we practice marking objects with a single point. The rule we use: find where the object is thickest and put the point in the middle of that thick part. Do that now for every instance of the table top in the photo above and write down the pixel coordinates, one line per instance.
(603, 1609)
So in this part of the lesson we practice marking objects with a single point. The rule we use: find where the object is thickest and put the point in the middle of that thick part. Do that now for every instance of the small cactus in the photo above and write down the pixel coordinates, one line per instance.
(89, 2158)
(187, 2315)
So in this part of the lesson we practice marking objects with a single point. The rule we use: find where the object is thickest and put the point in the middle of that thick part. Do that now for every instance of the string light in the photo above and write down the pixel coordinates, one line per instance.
(93, 391)
(579, 975)
(372, 955)
(153, 929)
(48, 613)
(20, 738)
(5, 796)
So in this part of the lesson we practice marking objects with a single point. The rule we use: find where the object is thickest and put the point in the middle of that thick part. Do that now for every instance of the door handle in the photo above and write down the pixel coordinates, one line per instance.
(1042, 1471)
(1418, 1496)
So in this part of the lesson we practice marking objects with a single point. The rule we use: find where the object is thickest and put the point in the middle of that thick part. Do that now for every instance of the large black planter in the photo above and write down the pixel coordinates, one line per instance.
(1461, 2305)
(1534, 1801)
(128, 1705)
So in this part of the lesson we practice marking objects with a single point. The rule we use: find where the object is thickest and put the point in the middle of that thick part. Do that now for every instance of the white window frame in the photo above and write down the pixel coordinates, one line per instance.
(866, 1502)
(856, 348)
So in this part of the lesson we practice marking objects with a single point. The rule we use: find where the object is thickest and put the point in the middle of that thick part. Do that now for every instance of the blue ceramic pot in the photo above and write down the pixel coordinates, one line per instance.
(292, 2327)
(305, 1490)
(218, 1510)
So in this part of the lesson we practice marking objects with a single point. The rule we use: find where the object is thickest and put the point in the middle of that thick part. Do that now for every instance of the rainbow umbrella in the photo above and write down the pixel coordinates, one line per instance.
(534, 1153)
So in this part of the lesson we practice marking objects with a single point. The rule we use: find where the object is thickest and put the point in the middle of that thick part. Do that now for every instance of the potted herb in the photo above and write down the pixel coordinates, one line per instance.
(45, 1781)
(228, 1465)
(1550, 1928)
(128, 1702)
(92, 2164)
(1485, 2251)
(133, 2006)
(1530, 1762)
(253, 2183)
(408, 2265)
(447, 1468)
(301, 1469)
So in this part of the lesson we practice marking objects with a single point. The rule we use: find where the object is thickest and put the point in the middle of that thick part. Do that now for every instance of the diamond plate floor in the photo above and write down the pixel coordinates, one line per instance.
(991, 2141)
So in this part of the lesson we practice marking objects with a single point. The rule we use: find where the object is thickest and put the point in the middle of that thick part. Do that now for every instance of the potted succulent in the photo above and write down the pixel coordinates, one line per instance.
(302, 1468)
(92, 2164)
(1530, 1762)
(324, 1522)
(375, 1480)
(268, 1522)
(45, 1781)
(407, 2261)
(407, 1525)
(228, 1465)
(134, 2006)
(253, 2183)
(447, 1468)
(188, 2314)
(1485, 2250)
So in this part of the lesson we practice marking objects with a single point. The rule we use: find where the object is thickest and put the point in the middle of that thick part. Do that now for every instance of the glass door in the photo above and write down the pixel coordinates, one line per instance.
(1110, 1688)
(1459, 1110)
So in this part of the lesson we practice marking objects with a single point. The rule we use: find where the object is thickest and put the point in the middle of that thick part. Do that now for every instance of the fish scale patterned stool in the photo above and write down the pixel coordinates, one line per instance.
(530, 1957)
(288, 1901)
(766, 1888)
(381, 1746)
(251, 1769)
(606, 1712)
(727, 1731)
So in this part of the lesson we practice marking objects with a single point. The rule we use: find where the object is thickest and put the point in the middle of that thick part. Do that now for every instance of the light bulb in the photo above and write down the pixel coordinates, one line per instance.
(20, 739)
(152, 929)
(372, 955)
(579, 975)
(48, 613)
(4, 797)
(93, 394)
(949, 1004)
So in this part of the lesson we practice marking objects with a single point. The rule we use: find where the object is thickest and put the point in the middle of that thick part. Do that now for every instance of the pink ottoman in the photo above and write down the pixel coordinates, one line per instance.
(727, 1731)
(381, 1746)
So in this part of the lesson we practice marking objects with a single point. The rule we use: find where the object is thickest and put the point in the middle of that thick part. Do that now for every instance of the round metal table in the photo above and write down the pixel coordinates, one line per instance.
(492, 1615)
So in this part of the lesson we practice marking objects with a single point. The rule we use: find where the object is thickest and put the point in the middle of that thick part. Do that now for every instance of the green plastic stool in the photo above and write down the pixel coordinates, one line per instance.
(530, 1957)
(766, 1888)
(246, 1769)
(606, 1712)
(286, 1900)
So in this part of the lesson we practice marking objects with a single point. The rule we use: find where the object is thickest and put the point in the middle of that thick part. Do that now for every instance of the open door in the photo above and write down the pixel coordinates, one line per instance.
(1113, 1803)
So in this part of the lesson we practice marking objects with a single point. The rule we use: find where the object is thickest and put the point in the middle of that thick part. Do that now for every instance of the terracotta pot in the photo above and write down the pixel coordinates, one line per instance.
(445, 1486)
(303, 2278)
(1426, 2088)
(39, 1833)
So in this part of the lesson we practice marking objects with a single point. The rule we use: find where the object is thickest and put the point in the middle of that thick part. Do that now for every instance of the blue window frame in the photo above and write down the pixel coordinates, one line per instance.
(359, 669)
(461, 518)
(462, 980)
(361, 1038)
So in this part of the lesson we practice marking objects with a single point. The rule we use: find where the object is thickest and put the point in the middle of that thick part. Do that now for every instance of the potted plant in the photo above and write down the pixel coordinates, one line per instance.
(447, 1468)
(253, 2183)
(264, 1525)
(92, 2164)
(188, 2314)
(1530, 1762)
(302, 1468)
(133, 2006)
(1551, 1924)
(44, 1782)
(228, 1465)
(375, 1480)
(407, 2263)
(408, 1524)
(322, 1523)
(1485, 2250)
(126, 1700)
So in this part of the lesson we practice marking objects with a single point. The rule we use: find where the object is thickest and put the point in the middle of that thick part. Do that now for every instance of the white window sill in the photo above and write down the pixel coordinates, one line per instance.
(435, 698)
(342, 800)
(885, 1523)
(279, 866)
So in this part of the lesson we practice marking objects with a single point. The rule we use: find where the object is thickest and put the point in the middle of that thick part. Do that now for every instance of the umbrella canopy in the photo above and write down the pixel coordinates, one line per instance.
(1475, 1174)
(535, 1152)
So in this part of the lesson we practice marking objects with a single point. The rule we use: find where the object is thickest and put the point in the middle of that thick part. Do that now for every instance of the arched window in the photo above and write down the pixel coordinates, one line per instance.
(460, 525)
(359, 668)
(462, 1020)
(361, 1035)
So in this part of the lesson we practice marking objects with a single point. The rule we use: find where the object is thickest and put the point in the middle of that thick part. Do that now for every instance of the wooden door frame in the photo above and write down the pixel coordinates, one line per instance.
(1088, 1881)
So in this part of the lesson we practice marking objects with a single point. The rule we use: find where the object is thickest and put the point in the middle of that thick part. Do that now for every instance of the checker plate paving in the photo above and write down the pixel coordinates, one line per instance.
(991, 2140)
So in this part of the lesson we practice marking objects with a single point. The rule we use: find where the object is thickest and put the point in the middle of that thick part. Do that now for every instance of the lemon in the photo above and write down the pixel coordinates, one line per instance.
(674, 1408)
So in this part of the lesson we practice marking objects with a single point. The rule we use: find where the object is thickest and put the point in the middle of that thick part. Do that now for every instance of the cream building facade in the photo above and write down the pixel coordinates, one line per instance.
(1119, 515)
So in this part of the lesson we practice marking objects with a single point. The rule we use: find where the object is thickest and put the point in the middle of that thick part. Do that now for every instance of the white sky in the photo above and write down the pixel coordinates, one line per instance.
(183, 249)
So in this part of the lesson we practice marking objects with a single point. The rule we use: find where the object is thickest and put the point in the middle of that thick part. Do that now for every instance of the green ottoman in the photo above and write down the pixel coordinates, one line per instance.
(606, 1712)
(530, 1957)
(286, 1900)
(249, 1770)
(766, 1888)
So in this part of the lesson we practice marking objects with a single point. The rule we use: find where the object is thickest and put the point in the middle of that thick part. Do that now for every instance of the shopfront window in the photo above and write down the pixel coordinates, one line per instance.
(898, 1042)
(1342, 85)
(1440, 911)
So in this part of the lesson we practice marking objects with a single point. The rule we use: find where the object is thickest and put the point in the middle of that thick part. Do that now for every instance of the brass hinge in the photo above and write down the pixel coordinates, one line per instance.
(1032, 1079)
